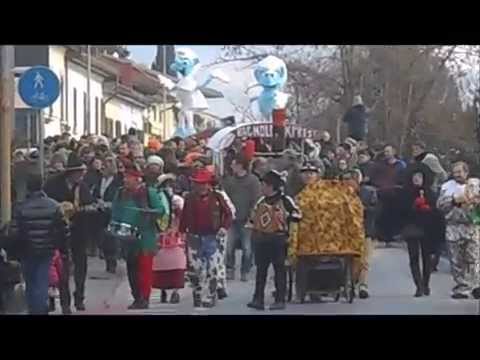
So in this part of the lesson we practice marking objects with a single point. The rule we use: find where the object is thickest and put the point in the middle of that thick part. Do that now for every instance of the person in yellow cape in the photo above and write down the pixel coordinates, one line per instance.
(332, 221)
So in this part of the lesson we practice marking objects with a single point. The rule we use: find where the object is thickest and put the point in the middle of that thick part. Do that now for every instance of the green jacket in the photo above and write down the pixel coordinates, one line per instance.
(126, 211)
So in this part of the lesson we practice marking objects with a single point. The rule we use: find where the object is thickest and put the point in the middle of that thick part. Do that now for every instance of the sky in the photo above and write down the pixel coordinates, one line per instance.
(146, 53)
(233, 92)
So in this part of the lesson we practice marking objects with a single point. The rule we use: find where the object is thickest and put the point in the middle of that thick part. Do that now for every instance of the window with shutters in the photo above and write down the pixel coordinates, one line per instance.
(86, 129)
(118, 129)
(75, 114)
(97, 116)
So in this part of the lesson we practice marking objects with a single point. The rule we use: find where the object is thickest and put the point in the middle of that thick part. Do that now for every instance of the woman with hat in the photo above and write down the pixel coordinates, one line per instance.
(69, 187)
(270, 221)
(139, 207)
(206, 217)
(170, 262)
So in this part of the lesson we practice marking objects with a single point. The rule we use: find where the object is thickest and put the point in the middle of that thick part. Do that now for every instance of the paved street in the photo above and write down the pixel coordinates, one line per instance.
(391, 291)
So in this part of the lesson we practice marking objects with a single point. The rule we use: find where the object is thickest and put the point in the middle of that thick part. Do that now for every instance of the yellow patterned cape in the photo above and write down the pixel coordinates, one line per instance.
(332, 221)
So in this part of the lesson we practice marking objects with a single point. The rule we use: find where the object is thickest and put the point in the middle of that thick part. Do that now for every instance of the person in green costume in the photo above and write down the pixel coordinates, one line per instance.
(139, 206)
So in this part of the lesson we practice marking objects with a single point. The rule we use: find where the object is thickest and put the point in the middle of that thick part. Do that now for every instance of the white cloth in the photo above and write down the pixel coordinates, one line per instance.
(451, 188)
(189, 96)
(105, 183)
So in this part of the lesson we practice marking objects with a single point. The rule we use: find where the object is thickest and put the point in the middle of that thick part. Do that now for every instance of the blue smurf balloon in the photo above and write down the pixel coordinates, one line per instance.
(185, 62)
(271, 74)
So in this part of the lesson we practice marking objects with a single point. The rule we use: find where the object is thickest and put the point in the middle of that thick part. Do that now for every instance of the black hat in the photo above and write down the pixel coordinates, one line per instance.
(74, 163)
(309, 167)
(275, 178)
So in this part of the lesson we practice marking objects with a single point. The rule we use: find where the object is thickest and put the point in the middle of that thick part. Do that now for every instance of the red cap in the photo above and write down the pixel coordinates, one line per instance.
(133, 172)
(202, 176)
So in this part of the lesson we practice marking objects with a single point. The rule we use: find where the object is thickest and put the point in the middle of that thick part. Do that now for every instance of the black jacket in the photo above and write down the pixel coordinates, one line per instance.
(357, 121)
(57, 189)
(431, 222)
(39, 226)
(111, 191)
(92, 179)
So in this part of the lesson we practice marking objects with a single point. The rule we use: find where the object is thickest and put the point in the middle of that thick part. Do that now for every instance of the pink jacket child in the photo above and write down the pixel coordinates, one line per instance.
(55, 270)
(171, 255)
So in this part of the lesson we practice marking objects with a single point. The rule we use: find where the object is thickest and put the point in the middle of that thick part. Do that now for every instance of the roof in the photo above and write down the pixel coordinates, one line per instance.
(142, 80)
(210, 93)
(99, 67)
(130, 95)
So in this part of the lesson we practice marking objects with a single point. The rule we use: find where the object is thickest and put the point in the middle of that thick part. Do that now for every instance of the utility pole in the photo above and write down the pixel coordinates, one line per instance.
(7, 114)
(164, 113)
(89, 73)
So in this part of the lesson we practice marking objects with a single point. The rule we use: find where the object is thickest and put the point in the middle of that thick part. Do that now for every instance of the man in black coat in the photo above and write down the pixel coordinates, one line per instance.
(92, 179)
(69, 187)
(104, 192)
(40, 230)
(357, 120)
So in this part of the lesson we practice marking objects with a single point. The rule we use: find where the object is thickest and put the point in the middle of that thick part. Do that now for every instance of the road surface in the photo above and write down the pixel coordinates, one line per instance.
(391, 290)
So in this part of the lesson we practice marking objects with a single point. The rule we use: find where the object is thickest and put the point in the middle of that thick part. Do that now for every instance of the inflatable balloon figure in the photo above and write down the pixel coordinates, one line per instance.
(187, 90)
(271, 75)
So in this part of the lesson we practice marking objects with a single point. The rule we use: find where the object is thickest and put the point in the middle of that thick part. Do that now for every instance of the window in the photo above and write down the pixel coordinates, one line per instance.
(109, 130)
(97, 113)
(118, 129)
(75, 111)
(86, 127)
(103, 118)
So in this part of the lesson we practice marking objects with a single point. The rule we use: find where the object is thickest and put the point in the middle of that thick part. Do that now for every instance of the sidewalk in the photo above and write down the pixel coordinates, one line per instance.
(102, 289)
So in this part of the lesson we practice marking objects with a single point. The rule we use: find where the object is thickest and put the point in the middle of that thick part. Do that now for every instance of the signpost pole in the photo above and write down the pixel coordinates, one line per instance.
(29, 132)
(41, 125)
(7, 115)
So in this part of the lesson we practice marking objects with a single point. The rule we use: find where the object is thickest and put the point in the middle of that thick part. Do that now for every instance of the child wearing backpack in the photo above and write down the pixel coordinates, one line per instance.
(170, 263)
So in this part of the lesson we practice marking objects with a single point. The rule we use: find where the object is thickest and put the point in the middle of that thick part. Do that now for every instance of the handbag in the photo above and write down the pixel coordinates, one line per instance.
(123, 233)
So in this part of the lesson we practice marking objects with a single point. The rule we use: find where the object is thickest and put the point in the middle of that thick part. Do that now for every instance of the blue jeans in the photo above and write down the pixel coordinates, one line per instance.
(35, 272)
(238, 232)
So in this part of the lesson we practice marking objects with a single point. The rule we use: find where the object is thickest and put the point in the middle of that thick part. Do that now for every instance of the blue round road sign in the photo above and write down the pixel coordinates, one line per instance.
(39, 87)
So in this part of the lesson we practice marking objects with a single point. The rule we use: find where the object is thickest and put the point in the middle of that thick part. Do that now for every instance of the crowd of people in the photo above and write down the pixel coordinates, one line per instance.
(164, 211)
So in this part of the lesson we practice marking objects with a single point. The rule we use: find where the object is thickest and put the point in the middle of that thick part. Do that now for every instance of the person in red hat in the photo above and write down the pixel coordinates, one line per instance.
(206, 217)
(135, 210)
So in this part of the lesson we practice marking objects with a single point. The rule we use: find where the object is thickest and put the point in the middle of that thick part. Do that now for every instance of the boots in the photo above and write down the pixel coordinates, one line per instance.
(278, 305)
(79, 305)
(221, 293)
(66, 310)
(426, 276)
(133, 305)
(175, 298)
(139, 304)
(197, 300)
(256, 304)
(419, 292)
(51, 304)
(111, 266)
(476, 293)
(163, 298)
(417, 278)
